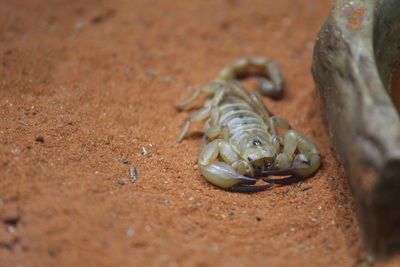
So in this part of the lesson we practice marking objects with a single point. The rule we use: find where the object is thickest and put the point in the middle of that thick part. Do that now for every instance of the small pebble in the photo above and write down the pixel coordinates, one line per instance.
(52, 253)
(301, 246)
(143, 151)
(167, 79)
(122, 181)
(129, 70)
(306, 188)
(22, 122)
(130, 232)
(292, 229)
(79, 27)
(39, 139)
(10, 229)
(151, 73)
(15, 151)
(215, 247)
(166, 201)
(48, 213)
(133, 174)
(125, 161)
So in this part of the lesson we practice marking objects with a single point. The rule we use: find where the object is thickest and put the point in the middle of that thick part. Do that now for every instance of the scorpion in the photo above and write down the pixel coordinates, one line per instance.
(244, 144)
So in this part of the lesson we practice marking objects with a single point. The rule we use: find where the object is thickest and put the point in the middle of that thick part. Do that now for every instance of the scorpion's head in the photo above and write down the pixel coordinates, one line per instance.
(260, 155)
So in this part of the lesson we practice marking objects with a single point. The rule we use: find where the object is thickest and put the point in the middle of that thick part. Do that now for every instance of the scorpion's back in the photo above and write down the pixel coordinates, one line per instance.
(243, 124)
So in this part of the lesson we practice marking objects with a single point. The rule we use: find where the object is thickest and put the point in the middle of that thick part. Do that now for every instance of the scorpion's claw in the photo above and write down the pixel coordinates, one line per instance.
(293, 178)
(283, 172)
(285, 181)
(249, 188)
(224, 175)
(304, 164)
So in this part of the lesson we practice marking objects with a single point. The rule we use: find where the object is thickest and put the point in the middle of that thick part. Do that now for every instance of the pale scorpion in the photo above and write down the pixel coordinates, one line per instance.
(244, 134)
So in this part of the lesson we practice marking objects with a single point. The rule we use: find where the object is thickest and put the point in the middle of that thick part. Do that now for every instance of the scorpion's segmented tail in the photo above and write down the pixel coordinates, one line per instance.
(267, 71)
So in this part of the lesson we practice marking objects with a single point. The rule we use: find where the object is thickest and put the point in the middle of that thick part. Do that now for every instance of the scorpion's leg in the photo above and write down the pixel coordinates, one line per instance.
(304, 164)
(276, 122)
(213, 127)
(196, 94)
(206, 111)
(221, 173)
(210, 89)
(202, 114)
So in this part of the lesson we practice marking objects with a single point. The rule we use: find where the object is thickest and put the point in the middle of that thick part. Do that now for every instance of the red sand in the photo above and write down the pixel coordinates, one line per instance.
(84, 85)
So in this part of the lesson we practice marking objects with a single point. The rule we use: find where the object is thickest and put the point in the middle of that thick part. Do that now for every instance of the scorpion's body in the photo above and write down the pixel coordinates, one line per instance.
(245, 127)
(242, 122)
(245, 136)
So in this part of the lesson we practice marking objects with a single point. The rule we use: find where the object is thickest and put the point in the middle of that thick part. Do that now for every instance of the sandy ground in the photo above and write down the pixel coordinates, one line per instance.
(87, 84)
